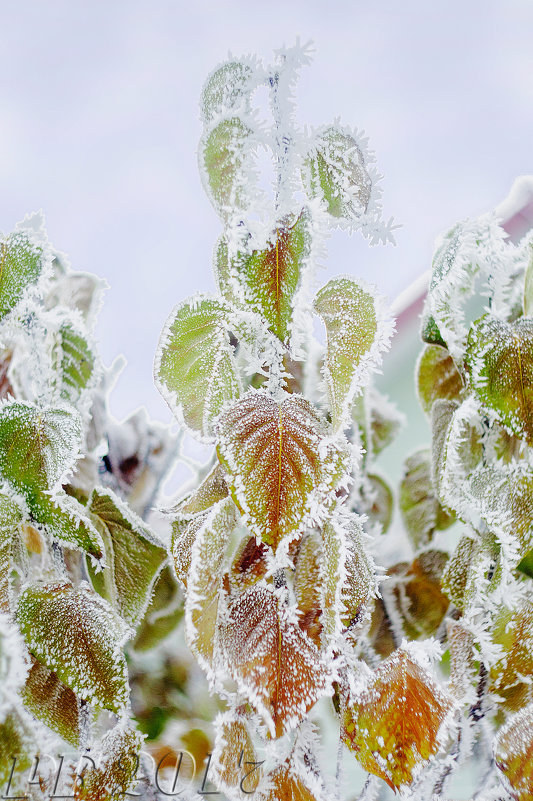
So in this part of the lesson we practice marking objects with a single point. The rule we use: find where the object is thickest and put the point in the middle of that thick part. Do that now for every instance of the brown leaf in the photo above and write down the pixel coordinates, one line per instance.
(513, 753)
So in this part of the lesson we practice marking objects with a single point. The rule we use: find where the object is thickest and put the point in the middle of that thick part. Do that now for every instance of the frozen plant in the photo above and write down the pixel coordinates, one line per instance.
(79, 564)
(274, 547)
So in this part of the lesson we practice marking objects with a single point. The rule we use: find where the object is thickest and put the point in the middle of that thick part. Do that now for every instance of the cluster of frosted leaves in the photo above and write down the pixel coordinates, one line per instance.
(421, 511)
(283, 463)
(79, 637)
(195, 367)
(513, 753)
(464, 471)
(395, 719)
(266, 279)
(115, 774)
(500, 364)
(38, 448)
(357, 333)
(277, 667)
(134, 556)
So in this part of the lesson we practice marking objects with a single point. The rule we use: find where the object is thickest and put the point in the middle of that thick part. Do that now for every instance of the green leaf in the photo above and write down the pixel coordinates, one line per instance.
(437, 377)
(134, 556)
(282, 462)
(499, 358)
(335, 171)
(77, 634)
(226, 89)
(223, 160)
(53, 703)
(66, 521)
(38, 446)
(163, 614)
(355, 338)
(421, 511)
(24, 258)
(195, 369)
(15, 740)
(73, 361)
(430, 333)
(268, 279)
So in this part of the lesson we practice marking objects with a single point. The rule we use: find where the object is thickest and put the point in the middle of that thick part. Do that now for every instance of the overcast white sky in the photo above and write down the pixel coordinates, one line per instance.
(99, 126)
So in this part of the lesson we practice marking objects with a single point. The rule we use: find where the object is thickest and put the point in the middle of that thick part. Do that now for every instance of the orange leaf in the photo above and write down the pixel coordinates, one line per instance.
(276, 665)
(395, 723)
(282, 462)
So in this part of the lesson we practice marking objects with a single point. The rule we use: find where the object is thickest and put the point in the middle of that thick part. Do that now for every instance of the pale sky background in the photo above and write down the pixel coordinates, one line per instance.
(99, 128)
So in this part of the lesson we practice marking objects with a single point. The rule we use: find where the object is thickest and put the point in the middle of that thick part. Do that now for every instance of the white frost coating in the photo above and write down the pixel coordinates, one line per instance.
(471, 248)
(14, 666)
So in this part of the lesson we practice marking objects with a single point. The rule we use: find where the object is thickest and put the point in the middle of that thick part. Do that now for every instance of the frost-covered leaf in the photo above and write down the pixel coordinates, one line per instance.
(377, 501)
(66, 521)
(226, 89)
(73, 361)
(282, 462)
(348, 577)
(471, 247)
(134, 556)
(224, 155)
(10, 519)
(513, 753)
(24, 258)
(78, 636)
(76, 290)
(195, 369)
(184, 531)
(395, 722)
(421, 511)
(513, 631)
(212, 489)
(267, 279)
(437, 377)
(234, 758)
(285, 784)
(205, 582)
(385, 420)
(115, 775)
(307, 586)
(462, 664)
(416, 589)
(335, 171)
(275, 664)
(499, 358)
(37, 445)
(357, 333)
(53, 703)
(459, 578)
(164, 613)
(15, 739)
